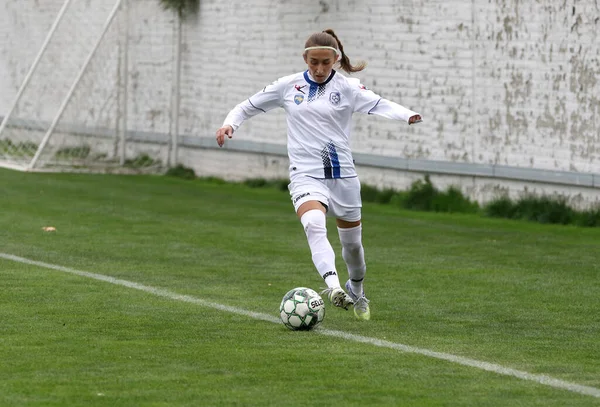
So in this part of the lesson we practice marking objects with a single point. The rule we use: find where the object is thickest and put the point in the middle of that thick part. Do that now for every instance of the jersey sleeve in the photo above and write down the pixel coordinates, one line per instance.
(267, 99)
(367, 101)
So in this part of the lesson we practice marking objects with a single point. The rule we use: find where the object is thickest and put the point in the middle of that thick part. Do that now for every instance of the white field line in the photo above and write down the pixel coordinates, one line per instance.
(490, 367)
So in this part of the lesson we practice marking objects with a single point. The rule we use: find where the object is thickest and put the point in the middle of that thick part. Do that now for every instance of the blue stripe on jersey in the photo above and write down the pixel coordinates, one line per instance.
(314, 86)
(310, 82)
(312, 91)
(335, 161)
(327, 170)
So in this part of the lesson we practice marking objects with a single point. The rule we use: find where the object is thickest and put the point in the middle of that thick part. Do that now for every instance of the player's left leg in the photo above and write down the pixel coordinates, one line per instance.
(353, 254)
(345, 202)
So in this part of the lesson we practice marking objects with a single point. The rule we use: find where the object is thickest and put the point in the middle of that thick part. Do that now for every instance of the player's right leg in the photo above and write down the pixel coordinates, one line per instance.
(312, 217)
(310, 199)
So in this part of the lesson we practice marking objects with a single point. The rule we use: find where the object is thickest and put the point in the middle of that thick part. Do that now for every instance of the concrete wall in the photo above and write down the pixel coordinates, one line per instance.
(498, 82)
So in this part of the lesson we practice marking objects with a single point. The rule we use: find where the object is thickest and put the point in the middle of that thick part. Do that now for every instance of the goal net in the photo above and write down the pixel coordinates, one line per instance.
(70, 113)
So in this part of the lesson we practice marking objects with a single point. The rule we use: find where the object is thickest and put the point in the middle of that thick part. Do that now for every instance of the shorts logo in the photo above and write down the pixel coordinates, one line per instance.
(299, 98)
(334, 98)
(299, 197)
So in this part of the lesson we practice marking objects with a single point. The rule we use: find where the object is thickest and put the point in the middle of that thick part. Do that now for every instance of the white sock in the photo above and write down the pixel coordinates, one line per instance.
(323, 256)
(353, 254)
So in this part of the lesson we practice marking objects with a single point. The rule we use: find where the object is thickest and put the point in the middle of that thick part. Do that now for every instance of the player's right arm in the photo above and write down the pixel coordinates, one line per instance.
(267, 99)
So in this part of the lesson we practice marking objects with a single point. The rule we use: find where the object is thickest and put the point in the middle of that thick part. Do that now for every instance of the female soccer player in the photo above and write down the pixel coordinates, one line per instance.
(319, 104)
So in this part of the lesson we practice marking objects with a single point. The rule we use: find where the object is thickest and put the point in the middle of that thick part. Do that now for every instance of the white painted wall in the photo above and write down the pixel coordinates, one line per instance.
(497, 81)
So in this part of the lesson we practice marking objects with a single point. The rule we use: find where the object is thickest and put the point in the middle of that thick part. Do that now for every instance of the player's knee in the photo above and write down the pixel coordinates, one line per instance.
(353, 248)
(314, 223)
(314, 229)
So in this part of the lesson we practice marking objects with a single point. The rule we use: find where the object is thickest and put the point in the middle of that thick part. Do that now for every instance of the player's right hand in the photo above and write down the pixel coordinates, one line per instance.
(222, 132)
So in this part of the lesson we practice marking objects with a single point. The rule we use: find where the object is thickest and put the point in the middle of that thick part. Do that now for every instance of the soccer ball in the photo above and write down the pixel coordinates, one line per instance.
(302, 309)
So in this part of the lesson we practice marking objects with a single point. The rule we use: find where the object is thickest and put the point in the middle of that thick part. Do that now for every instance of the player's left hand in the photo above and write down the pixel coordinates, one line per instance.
(415, 119)
(225, 131)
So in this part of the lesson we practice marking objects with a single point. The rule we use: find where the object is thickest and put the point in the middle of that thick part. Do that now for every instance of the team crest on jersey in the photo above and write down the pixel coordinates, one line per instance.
(334, 98)
(299, 98)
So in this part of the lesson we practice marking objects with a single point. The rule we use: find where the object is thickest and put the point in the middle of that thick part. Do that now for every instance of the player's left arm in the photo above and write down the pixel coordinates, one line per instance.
(367, 101)
(393, 110)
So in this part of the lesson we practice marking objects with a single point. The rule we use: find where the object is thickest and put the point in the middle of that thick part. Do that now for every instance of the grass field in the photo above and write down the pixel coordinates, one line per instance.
(516, 295)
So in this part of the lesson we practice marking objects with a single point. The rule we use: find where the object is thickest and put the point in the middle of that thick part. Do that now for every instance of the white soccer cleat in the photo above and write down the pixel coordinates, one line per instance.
(361, 304)
(338, 297)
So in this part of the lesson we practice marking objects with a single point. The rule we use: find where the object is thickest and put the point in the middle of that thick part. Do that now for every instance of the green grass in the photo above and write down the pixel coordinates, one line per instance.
(522, 295)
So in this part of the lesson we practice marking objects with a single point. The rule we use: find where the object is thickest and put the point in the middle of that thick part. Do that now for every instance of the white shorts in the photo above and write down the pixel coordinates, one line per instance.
(341, 196)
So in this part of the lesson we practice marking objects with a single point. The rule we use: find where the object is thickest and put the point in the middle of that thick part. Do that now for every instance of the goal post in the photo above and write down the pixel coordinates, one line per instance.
(71, 110)
(13, 155)
(82, 147)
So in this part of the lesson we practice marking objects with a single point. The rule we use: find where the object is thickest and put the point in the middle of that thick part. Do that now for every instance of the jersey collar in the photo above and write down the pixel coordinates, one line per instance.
(308, 79)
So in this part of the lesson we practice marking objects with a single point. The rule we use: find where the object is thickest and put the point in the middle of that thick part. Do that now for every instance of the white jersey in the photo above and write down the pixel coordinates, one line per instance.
(319, 119)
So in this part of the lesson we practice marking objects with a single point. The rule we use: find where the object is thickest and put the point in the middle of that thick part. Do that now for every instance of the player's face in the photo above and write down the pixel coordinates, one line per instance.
(320, 63)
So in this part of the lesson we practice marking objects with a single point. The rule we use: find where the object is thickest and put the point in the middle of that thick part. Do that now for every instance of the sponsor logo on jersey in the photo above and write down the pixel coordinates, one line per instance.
(299, 88)
(299, 98)
(334, 98)
(363, 87)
